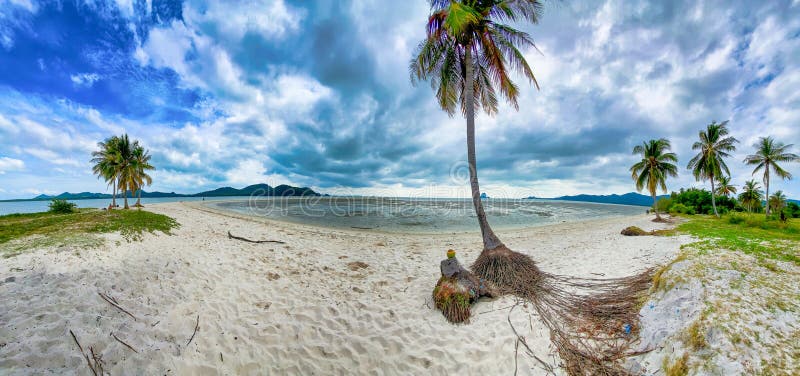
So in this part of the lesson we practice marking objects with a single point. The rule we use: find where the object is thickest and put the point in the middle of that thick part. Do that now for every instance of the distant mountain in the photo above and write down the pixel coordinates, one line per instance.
(255, 189)
(631, 198)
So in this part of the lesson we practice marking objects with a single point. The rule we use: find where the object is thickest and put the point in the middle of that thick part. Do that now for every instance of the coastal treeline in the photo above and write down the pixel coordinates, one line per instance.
(713, 147)
(123, 164)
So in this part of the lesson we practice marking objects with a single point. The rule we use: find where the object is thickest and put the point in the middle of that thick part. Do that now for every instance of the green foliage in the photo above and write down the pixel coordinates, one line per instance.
(749, 233)
(698, 201)
(132, 224)
(663, 204)
(680, 367)
(681, 209)
(59, 206)
(656, 165)
(792, 210)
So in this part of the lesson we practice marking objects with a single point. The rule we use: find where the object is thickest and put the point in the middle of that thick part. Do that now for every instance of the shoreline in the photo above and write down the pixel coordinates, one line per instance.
(327, 301)
(206, 206)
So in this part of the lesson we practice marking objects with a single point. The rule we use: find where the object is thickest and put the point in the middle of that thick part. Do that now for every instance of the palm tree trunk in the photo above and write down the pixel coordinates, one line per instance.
(766, 184)
(655, 204)
(125, 195)
(713, 201)
(114, 195)
(139, 197)
(490, 240)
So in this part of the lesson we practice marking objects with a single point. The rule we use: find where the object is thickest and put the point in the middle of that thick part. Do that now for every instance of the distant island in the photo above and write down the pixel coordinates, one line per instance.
(282, 190)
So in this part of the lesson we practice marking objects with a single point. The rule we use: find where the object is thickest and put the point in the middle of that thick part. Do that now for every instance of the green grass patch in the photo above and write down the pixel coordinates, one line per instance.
(749, 233)
(25, 231)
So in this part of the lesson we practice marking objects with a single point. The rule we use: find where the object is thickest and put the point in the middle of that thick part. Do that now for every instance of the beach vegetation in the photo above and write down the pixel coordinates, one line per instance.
(751, 196)
(656, 165)
(33, 230)
(678, 367)
(123, 164)
(749, 233)
(709, 163)
(725, 187)
(767, 156)
(59, 206)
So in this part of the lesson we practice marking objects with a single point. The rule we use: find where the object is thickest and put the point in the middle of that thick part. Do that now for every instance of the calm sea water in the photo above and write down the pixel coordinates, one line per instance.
(40, 206)
(421, 215)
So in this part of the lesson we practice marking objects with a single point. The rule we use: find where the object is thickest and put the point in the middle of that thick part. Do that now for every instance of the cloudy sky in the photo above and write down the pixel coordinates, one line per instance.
(318, 94)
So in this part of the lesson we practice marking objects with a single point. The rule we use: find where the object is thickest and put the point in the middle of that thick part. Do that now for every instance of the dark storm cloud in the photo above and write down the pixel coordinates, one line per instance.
(318, 92)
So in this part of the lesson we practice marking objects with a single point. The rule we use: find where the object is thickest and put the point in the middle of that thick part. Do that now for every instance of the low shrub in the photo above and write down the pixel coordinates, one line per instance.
(681, 209)
(62, 206)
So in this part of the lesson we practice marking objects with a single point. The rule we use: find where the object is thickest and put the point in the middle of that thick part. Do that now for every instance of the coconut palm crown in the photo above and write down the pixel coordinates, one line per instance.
(654, 168)
(468, 56)
(768, 153)
(709, 163)
(724, 186)
(751, 195)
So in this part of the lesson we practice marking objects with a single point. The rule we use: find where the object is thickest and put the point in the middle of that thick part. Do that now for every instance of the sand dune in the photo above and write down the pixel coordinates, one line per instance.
(303, 307)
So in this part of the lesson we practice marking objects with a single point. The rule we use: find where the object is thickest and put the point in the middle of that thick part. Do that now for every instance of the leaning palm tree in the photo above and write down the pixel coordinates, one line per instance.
(654, 168)
(724, 186)
(751, 195)
(709, 164)
(105, 163)
(777, 201)
(768, 154)
(467, 56)
(141, 164)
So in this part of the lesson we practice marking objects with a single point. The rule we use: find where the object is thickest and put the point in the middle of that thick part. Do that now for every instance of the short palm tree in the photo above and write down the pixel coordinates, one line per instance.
(468, 55)
(768, 154)
(654, 168)
(709, 163)
(777, 201)
(105, 163)
(751, 195)
(724, 186)
(141, 164)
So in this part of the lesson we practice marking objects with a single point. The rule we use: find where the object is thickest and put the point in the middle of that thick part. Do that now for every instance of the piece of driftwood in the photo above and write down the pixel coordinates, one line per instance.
(88, 362)
(110, 301)
(231, 236)
(196, 326)
(124, 343)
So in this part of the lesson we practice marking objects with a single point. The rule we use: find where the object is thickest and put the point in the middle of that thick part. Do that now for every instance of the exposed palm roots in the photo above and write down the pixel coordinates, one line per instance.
(592, 322)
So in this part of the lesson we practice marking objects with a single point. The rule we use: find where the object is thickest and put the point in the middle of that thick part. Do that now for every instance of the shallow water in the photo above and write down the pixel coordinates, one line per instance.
(10, 207)
(421, 215)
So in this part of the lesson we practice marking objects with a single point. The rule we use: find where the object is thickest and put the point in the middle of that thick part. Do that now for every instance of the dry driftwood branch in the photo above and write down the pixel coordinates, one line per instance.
(106, 298)
(196, 326)
(88, 362)
(123, 342)
(231, 236)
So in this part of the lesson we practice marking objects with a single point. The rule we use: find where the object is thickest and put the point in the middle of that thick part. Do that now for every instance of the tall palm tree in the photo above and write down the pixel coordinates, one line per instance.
(125, 171)
(751, 195)
(777, 201)
(467, 55)
(709, 164)
(141, 164)
(105, 163)
(724, 186)
(654, 168)
(768, 154)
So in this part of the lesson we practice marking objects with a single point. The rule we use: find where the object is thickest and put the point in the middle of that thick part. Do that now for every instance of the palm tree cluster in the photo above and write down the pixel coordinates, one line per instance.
(124, 165)
(713, 146)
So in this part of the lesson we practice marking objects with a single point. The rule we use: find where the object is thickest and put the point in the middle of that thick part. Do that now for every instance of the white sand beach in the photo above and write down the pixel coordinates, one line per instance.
(308, 306)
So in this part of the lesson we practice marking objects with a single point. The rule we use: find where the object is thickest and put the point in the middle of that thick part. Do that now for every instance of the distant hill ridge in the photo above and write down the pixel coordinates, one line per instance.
(255, 189)
(631, 198)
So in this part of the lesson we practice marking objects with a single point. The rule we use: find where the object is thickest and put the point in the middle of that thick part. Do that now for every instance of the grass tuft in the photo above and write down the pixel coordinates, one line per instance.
(19, 232)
